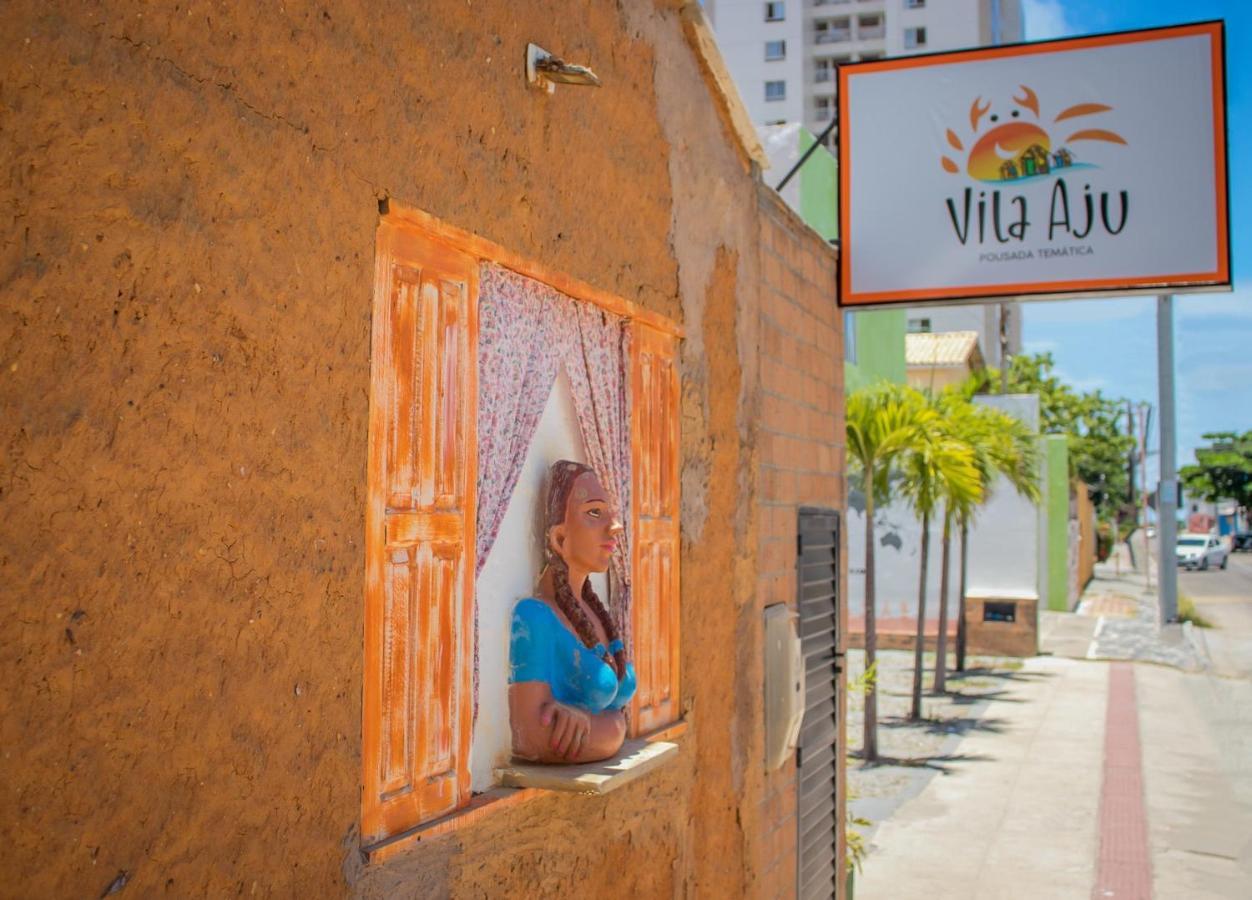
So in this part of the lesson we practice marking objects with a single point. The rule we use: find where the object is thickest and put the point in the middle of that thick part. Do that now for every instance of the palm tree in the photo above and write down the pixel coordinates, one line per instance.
(883, 420)
(1001, 445)
(938, 466)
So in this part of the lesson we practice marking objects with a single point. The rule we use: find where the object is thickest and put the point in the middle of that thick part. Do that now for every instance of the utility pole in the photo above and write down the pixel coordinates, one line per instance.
(1107, 497)
(1145, 419)
(1132, 497)
(1117, 557)
(1167, 492)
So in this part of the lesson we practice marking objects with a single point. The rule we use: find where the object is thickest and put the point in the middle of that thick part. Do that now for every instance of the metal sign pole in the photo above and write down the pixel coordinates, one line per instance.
(1145, 428)
(1167, 492)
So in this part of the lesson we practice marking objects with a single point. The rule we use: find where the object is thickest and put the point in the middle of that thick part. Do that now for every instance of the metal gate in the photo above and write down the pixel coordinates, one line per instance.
(817, 588)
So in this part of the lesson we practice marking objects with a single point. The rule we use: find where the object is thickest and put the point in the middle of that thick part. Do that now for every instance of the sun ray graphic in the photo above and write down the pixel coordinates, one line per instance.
(1081, 109)
(1096, 134)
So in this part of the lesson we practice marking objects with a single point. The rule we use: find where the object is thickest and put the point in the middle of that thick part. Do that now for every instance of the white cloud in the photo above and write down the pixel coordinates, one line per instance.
(1228, 307)
(1046, 19)
(1225, 378)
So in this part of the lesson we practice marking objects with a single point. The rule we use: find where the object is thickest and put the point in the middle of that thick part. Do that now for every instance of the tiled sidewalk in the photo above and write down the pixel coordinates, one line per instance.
(1124, 868)
(1016, 812)
(1097, 780)
(1118, 619)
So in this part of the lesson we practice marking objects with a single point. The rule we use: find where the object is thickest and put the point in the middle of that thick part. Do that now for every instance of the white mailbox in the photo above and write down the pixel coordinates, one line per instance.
(784, 684)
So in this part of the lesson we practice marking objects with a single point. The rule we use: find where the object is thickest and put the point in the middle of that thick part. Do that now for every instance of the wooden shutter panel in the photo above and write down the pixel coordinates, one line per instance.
(654, 467)
(419, 534)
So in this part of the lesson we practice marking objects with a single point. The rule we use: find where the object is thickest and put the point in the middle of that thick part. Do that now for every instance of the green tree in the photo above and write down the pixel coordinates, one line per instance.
(1223, 469)
(1099, 442)
(938, 465)
(882, 421)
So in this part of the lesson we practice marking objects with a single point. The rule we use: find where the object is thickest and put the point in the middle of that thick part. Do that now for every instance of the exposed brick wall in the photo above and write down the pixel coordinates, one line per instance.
(801, 447)
(1016, 638)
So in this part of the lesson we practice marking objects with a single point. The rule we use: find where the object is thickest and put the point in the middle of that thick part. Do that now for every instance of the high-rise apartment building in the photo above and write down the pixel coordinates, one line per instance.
(783, 56)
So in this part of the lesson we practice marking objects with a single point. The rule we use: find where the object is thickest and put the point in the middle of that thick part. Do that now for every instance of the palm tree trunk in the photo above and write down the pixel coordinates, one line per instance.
(941, 642)
(916, 711)
(960, 622)
(871, 625)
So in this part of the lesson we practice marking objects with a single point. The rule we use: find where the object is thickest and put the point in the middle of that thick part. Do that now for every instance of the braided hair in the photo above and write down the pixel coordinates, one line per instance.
(561, 482)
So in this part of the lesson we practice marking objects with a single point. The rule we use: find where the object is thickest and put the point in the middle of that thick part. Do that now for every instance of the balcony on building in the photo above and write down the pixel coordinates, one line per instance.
(833, 31)
(870, 28)
(825, 66)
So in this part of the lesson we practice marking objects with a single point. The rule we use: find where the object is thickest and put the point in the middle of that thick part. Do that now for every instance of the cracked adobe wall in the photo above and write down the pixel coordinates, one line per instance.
(185, 290)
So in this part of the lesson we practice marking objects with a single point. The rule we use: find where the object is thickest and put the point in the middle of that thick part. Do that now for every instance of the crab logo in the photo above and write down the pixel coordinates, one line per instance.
(1020, 148)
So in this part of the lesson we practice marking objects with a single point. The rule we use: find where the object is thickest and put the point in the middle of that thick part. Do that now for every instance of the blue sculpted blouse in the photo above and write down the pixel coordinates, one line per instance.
(543, 649)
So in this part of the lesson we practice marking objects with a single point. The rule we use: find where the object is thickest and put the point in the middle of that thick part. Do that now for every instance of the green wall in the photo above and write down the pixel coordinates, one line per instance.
(879, 348)
(1056, 511)
(819, 189)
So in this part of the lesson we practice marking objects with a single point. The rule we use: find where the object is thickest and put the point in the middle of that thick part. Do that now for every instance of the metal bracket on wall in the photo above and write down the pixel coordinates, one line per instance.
(544, 71)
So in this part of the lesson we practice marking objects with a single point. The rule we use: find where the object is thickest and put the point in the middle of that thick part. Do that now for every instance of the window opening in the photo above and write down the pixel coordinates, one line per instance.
(419, 743)
(999, 612)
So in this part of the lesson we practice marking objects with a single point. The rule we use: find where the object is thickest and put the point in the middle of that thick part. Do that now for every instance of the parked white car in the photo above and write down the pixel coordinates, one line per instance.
(1199, 551)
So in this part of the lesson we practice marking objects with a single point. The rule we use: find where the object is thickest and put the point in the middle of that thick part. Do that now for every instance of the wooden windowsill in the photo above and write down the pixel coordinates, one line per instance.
(637, 757)
(630, 766)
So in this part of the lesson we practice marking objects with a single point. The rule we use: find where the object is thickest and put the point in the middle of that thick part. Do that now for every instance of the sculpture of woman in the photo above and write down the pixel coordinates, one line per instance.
(568, 675)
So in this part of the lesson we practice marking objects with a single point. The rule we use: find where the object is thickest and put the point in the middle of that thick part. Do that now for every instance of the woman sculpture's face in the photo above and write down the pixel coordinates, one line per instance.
(588, 536)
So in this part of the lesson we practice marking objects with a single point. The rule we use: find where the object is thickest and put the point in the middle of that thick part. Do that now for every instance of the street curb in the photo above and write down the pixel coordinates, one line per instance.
(1195, 637)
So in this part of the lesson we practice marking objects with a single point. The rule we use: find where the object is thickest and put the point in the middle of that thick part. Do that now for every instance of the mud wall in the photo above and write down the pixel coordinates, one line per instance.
(185, 285)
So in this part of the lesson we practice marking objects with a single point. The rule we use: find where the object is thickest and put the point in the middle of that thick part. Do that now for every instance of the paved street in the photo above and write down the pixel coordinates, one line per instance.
(1090, 776)
(1225, 599)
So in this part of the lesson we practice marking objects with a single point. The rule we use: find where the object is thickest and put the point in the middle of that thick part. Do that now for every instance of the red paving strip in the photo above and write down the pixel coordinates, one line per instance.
(1124, 869)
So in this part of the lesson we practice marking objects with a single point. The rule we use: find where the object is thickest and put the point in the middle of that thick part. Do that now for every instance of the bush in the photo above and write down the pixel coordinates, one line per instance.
(1187, 612)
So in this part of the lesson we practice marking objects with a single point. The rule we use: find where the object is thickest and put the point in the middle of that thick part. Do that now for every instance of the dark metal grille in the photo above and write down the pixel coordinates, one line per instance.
(817, 586)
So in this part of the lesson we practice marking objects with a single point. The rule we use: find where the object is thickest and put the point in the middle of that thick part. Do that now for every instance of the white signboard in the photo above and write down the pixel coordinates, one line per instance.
(1062, 168)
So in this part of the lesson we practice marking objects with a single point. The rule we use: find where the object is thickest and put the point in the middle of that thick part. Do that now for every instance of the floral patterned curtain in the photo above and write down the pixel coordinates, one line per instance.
(601, 399)
(528, 331)
(521, 330)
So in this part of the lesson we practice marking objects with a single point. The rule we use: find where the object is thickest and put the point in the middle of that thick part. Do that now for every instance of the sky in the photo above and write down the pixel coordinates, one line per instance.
(1110, 344)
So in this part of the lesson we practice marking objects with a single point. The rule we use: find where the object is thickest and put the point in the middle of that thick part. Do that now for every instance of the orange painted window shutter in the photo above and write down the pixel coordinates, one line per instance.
(419, 534)
(654, 466)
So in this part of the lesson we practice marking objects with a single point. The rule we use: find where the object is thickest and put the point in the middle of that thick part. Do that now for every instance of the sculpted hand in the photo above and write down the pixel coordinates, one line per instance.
(570, 728)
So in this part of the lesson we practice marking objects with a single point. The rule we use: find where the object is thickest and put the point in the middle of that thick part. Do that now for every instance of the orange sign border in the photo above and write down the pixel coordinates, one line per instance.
(1220, 277)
